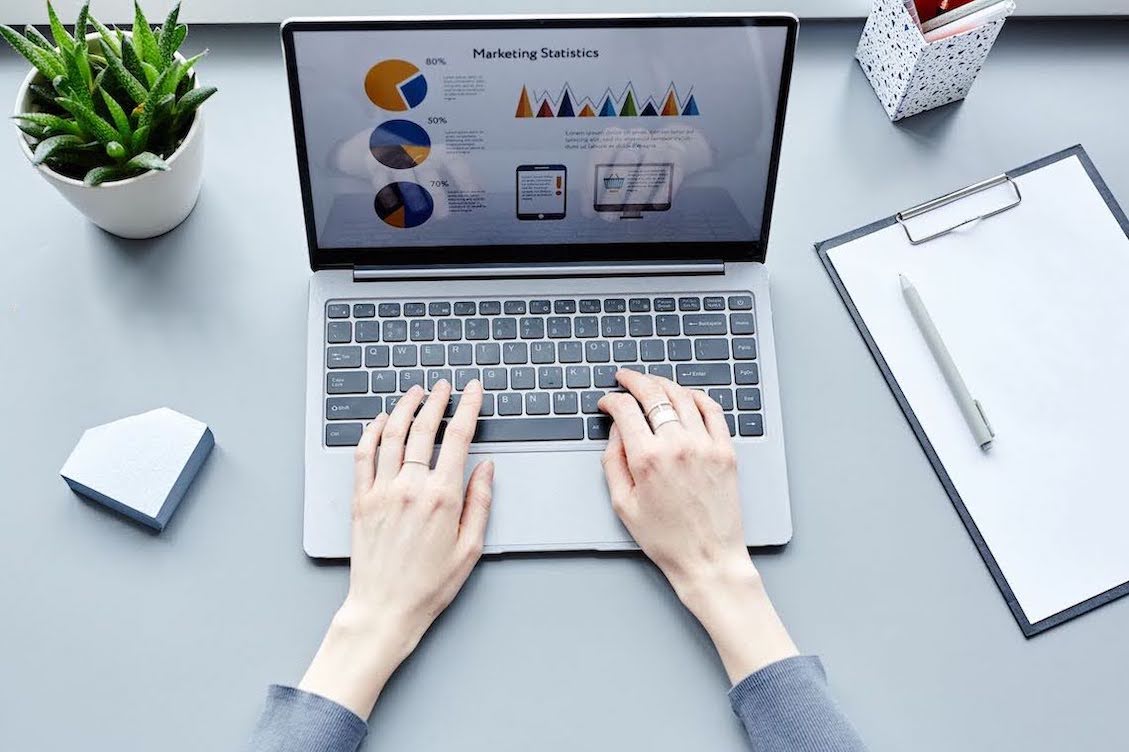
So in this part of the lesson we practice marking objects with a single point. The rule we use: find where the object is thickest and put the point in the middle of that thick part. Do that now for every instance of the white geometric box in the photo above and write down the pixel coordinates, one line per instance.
(910, 75)
(140, 466)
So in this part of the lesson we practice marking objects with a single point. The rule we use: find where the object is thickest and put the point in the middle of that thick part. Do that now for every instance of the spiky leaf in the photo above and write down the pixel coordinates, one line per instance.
(100, 175)
(147, 160)
(49, 146)
(46, 62)
(167, 42)
(79, 75)
(42, 94)
(50, 122)
(124, 78)
(130, 60)
(143, 37)
(115, 151)
(33, 35)
(140, 138)
(91, 122)
(37, 132)
(179, 71)
(62, 38)
(179, 37)
(80, 25)
(151, 73)
(121, 120)
(107, 36)
(193, 99)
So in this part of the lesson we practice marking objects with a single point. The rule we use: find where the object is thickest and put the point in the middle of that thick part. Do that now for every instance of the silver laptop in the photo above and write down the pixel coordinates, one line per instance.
(536, 202)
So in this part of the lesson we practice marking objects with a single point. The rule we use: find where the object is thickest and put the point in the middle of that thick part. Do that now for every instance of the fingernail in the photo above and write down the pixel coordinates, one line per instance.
(439, 383)
(473, 384)
(416, 389)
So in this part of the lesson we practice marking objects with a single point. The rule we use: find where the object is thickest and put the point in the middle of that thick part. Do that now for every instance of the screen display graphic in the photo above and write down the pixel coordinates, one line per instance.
(480, 136)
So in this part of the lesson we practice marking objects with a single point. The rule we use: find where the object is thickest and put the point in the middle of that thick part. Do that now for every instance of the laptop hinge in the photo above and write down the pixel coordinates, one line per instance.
(515, 271)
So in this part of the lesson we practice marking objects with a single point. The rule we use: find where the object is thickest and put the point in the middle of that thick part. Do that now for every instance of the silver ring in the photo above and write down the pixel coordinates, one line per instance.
(418, 462)
(656, 406)
(661, 414)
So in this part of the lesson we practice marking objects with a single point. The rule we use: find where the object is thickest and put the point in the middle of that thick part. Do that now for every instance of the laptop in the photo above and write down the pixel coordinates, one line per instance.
(536, 202)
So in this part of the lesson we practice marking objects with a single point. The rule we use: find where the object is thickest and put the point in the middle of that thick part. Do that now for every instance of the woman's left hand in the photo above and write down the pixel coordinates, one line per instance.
(417, 535)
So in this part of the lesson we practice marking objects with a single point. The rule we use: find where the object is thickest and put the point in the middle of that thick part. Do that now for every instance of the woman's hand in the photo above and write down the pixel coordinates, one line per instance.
(675, 489)
(416, 537)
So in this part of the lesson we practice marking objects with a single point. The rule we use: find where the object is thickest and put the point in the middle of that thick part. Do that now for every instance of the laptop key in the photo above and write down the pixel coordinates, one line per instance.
(495, 379)
(410, 377)
(465, 308)
(744, 348)
(384, 382)
(460, 354)
(564, 306)
(703, 374)
(509, 403)
(439, 308)
(415, 310)
(435, 375)
(404, 356)
(565, 403)
(667, 325)
(450, 329)
(367, 331)
(603, 377)
(464, 376)
(664, 305)
(560, 327)
(578, 377)
(343, 357)
(352, 408)
(723, 397)
(662, 370)
(529, 429)
(689, 304)
(550, 377)
(514, 307)
(390, 403)
(343, 434)
(597, 351)
(515, 353)
(477, 329)
(532, 328)
(586, 326)
(651, 350)
(750, 424)
(364, 310)
(639, 305)
(678, 349)
(590, 402)
(346, 382)
(523, 378)
(635, 367)
(540, 306)
(625, 350)
(615, 305)
(423, 330)
(487, 353)
(489, 307)
(487, 405)
(714, 303)
(388, 310)
(746, 373)
(394, 330)
(337, 311)
(613, 326)
(699, 324)
(748, 399)
(599, 427)
(432, 355)
(731, 422)
(452, 405)
(542, 352)
(570, 352)
(711, 349)
(640, 326)
(339, 332)
(376, 356)
(740, 303)
(590, 305)
(536, 403)
(504, 327)
(741, 323)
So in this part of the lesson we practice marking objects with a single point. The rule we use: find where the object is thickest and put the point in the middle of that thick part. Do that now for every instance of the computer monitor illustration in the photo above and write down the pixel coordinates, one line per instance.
(631, 188)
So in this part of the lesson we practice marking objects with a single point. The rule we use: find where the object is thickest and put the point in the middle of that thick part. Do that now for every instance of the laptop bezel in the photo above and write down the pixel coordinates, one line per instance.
(453, 256)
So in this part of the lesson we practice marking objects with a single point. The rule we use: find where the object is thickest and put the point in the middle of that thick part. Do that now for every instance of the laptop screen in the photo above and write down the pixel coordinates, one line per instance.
(474, 141)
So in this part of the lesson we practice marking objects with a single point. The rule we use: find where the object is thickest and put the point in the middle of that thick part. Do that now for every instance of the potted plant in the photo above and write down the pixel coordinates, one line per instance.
(111, 119)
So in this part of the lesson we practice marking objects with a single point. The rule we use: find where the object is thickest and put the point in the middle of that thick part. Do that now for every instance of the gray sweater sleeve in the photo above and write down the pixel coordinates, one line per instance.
(786, 707)
(297, 721)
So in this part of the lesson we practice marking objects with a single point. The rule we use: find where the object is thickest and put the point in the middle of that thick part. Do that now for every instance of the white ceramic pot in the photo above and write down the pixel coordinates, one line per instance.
(140, 207)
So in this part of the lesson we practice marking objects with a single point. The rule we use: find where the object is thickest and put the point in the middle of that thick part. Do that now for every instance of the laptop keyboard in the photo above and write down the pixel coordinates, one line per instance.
(544, 362)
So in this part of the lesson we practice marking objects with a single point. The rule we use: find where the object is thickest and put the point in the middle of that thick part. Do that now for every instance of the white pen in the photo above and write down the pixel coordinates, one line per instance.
(970, 408)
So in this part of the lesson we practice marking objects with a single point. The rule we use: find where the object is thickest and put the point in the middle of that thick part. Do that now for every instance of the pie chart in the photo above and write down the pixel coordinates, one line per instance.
(395, 85)
(404, 204)
(399, 144)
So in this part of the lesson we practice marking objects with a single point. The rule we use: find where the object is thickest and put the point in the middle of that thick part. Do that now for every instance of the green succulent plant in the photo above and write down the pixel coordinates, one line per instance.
(111, 107)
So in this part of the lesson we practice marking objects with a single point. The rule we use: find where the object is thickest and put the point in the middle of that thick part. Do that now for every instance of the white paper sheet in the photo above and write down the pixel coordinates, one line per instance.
(1034, 307)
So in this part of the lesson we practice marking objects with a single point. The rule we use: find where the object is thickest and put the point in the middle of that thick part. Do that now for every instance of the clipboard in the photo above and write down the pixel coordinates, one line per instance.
(927, 224)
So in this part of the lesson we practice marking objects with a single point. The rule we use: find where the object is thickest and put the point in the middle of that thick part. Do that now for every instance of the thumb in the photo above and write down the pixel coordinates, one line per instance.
(476, 507)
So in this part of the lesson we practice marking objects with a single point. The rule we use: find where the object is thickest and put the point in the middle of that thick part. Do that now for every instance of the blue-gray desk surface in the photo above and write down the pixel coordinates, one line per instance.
(116, 639)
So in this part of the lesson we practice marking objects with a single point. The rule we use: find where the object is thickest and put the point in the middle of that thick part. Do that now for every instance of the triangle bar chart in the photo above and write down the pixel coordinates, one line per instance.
(627, 103)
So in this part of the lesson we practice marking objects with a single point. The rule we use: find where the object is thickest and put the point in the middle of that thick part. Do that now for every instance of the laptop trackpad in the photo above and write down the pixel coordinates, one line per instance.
(550, 499)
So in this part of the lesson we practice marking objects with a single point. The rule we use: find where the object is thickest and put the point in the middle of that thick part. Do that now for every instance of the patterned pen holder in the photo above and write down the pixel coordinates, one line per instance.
(910, 75)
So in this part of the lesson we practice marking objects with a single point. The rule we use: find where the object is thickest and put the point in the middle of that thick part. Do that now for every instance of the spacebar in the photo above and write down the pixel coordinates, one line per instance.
(526, 429)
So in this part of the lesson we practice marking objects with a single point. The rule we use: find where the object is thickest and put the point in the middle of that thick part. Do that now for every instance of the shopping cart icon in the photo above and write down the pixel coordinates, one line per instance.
(613, 182)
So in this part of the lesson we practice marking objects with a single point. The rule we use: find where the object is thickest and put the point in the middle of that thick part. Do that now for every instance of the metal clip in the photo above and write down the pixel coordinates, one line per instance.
(953, 197)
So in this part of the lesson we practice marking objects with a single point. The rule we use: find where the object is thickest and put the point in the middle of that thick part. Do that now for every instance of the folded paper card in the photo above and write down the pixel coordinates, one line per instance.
(140, 466)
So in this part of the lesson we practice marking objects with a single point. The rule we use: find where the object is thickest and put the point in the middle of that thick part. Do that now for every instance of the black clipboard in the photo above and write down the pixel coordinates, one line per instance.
(1029, 629)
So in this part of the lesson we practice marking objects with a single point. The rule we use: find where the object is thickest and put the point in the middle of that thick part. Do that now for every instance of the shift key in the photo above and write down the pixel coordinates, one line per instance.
(703, 374)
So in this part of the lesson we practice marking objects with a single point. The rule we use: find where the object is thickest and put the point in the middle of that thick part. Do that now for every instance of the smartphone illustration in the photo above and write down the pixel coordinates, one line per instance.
(542, 191)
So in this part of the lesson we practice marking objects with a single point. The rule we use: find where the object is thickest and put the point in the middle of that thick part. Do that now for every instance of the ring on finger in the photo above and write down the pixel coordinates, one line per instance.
(660, 415)
(418, 462)
(657, 406)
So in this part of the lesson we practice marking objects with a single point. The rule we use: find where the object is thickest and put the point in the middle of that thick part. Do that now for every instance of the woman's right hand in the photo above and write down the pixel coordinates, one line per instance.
(675, 489)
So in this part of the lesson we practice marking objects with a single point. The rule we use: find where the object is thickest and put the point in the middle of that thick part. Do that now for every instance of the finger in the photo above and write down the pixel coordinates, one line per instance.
(684, 404)
(421, 438)
(459, 433)
(391, 455)
(476, 507)
(713, 417)
(620, 482)
(364, 459)
(633, 427)
(647, 390)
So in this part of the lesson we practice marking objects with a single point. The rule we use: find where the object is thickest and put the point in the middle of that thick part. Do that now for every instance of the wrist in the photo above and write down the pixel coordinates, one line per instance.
(710, 589)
